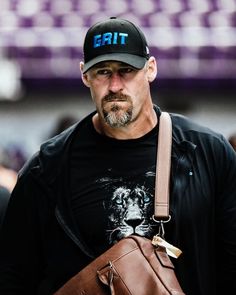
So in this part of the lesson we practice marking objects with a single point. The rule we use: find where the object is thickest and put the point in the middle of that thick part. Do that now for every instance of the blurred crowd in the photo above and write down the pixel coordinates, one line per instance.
(11, 160)
(13, 157)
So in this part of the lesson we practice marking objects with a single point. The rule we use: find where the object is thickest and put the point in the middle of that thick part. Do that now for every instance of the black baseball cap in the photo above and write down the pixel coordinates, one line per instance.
(115, 40)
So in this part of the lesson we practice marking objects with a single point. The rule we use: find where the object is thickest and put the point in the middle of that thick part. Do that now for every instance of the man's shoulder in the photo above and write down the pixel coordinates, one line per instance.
(189, 126)
(187, 130)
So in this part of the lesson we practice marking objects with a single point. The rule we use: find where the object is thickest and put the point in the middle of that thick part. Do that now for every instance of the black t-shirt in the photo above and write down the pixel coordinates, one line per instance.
(112, 186)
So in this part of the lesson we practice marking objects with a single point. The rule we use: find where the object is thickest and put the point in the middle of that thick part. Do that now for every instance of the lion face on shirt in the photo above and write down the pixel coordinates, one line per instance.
(129, 208)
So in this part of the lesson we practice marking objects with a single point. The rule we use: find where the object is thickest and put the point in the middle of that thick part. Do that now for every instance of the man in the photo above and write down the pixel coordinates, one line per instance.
(232, 140)
(8, 178)
(4, 198)
(93, 184)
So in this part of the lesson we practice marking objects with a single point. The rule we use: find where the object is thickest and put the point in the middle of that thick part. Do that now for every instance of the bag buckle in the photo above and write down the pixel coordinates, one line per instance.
(161, 229)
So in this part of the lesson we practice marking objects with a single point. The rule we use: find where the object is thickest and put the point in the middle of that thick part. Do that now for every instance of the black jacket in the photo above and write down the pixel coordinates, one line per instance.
(40, 248)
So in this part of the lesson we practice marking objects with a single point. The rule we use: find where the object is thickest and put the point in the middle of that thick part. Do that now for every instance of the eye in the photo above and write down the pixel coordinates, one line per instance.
(103, 72)
(127, 70)
(119, 200)
(146, 198)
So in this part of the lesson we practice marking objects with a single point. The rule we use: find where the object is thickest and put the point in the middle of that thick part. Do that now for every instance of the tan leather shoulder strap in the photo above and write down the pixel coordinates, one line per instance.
(162, 184)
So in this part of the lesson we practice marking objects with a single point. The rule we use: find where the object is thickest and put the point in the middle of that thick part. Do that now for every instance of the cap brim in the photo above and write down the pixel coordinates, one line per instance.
(135, 61)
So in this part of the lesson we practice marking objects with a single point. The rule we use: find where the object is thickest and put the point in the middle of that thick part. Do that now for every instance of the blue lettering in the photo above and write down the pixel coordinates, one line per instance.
(123, 36)
(106, 38)
(96, 41)
(115, 38)
(109, 38)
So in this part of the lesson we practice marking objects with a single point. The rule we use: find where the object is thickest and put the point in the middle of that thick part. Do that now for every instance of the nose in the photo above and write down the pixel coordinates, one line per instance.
(134, 222)
(115, 83)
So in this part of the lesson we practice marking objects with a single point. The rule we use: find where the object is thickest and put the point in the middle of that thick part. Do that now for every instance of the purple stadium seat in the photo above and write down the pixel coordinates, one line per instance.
(44, 33)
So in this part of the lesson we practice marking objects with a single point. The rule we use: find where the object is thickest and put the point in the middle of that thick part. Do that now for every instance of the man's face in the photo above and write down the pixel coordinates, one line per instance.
(119, 91)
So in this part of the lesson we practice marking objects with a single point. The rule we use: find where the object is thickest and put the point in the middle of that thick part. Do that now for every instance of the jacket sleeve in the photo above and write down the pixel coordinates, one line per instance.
(226, 219)
(20, 258)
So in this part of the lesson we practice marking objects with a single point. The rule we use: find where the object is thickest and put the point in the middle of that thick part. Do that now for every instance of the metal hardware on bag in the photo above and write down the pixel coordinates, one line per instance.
(159, 241)
(158, 221)
(111, 274)
(161, 230)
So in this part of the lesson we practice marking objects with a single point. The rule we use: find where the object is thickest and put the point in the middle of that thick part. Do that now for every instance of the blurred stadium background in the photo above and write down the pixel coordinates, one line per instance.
(194, 42)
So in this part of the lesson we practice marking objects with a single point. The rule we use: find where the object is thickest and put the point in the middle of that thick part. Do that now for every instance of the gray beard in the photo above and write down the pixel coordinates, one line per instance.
(115, 120)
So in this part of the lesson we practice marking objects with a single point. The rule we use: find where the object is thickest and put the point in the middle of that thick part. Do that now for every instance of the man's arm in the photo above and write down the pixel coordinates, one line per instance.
(19, 258)
(226, 221)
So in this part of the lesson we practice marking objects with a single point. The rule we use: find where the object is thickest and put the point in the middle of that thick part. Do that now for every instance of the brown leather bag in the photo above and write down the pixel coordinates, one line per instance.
(136, 265)
(132, 266)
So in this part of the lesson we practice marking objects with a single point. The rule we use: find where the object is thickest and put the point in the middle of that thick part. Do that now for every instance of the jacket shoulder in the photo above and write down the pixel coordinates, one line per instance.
(185, 130)
(186, 127)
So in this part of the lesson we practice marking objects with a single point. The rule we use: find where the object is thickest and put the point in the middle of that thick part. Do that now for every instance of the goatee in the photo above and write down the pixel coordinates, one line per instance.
(117, 115)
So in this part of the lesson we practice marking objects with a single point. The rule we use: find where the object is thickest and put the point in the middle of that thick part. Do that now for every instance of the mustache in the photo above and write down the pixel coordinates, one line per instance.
(115, 96)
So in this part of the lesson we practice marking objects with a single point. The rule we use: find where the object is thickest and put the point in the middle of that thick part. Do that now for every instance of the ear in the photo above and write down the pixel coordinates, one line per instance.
(151, 69)
(84, 77)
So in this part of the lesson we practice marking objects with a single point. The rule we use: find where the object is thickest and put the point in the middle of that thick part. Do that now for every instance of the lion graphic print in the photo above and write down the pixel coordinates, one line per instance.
(129, 206)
